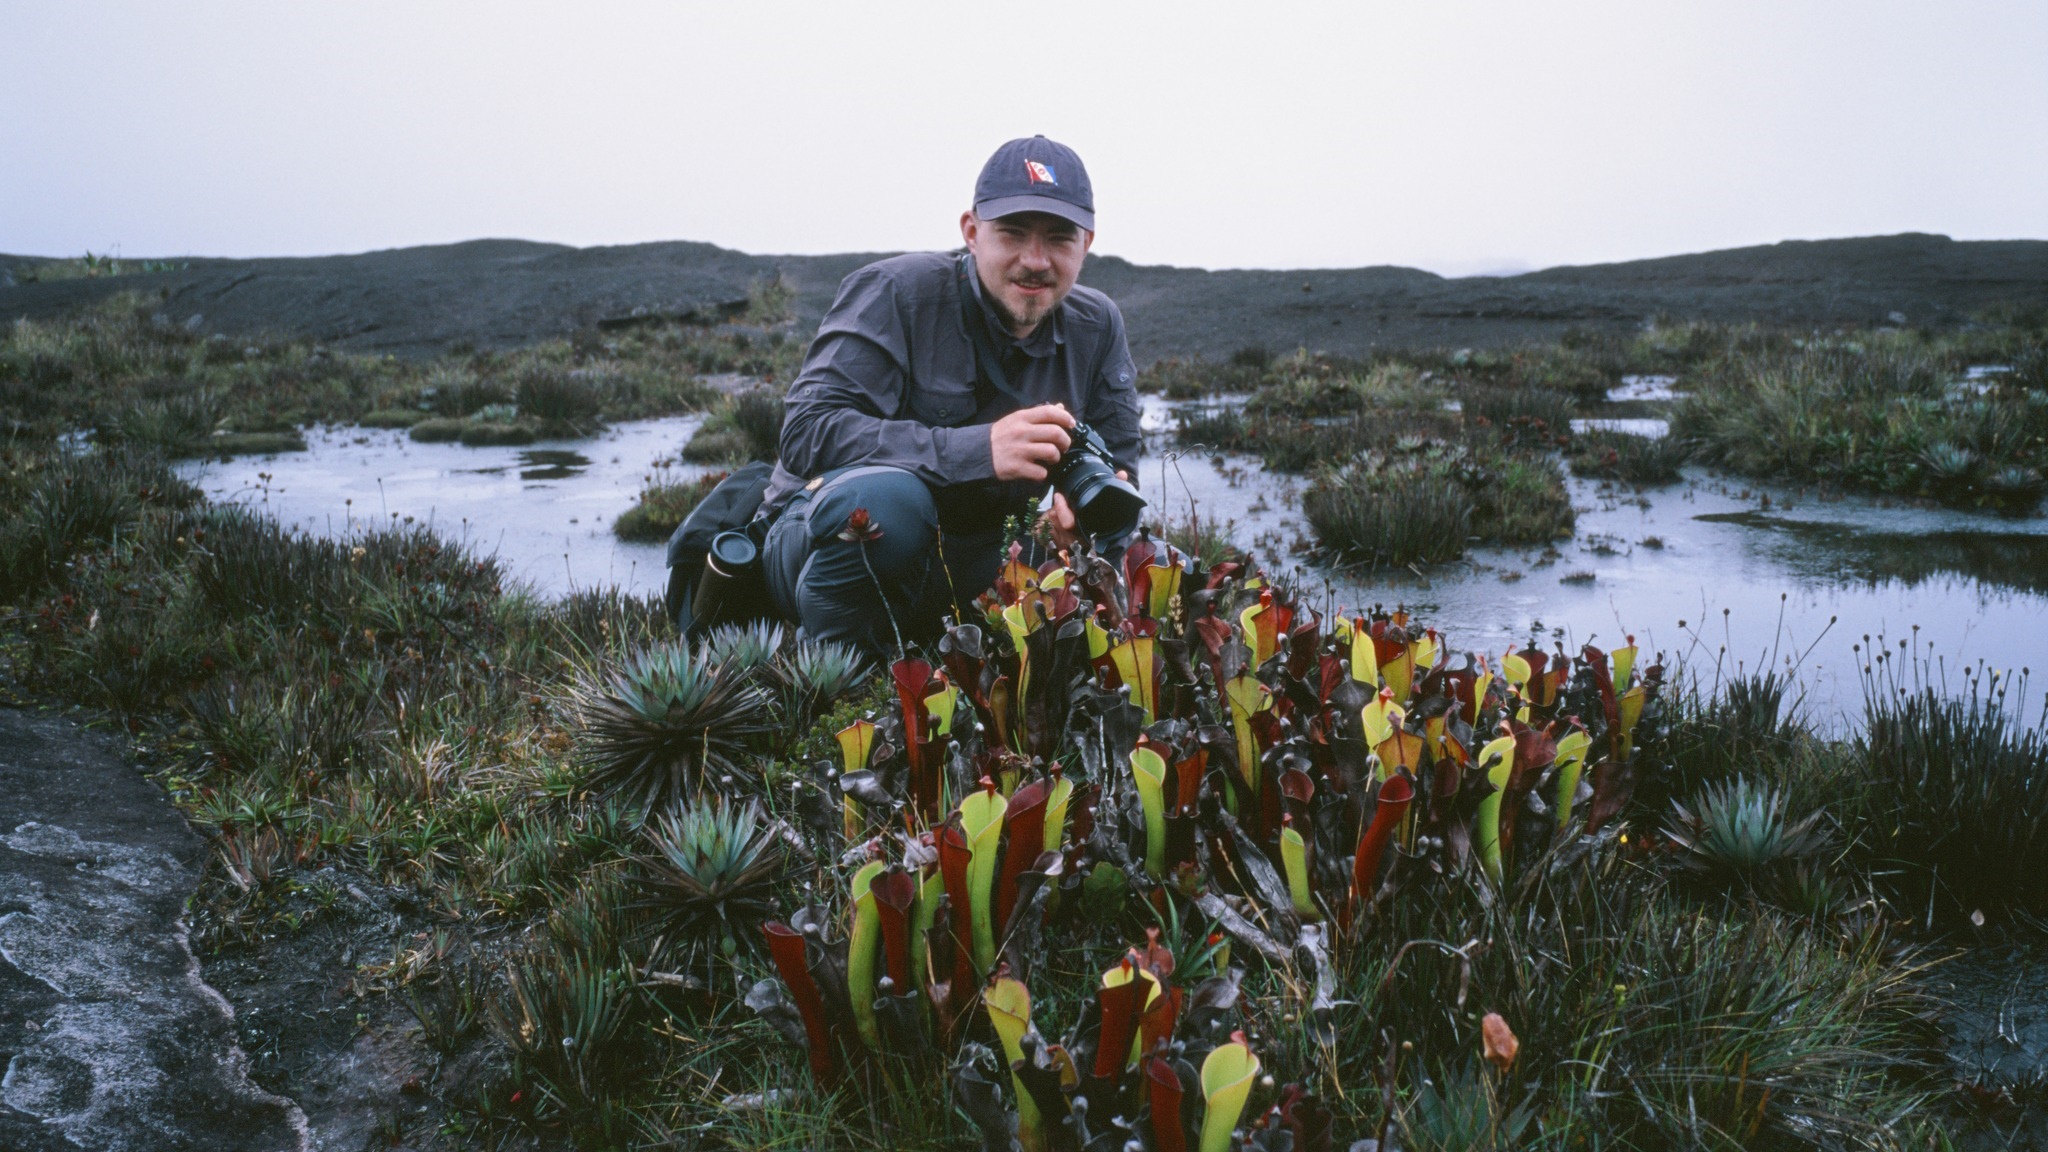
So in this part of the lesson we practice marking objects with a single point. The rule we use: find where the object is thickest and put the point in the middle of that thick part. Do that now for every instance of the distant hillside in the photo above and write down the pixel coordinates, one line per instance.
(497, 292)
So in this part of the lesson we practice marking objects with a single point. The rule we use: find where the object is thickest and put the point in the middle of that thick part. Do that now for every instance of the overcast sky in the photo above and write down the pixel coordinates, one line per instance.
(1456, 137)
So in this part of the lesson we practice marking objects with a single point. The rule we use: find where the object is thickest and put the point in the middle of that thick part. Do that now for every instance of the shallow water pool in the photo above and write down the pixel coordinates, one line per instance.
(545, 509)
(1722, 573)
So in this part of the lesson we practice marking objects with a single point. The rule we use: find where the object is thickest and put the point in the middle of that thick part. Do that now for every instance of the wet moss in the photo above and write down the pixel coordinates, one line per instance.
(437, 430)
(254, 443)
(391, 418)
(482, 433)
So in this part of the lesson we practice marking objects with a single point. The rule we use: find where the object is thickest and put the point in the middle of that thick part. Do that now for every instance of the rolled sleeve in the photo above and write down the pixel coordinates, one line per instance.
(965, 454)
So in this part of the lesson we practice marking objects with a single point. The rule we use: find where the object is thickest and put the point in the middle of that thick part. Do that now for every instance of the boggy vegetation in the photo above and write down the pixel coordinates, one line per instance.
(135, 378)
(90, 266)
(663, 504)
(1883, 412)
(743, 427)
(1152, 852)
(1397, 477)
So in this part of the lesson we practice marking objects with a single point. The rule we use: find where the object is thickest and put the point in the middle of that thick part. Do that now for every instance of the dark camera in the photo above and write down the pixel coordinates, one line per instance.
(1104, 503)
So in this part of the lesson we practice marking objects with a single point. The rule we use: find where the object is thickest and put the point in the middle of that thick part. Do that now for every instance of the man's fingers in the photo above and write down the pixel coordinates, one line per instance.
(1028, 460)
(1027, 441)
(1051, 434)
(1062, 514)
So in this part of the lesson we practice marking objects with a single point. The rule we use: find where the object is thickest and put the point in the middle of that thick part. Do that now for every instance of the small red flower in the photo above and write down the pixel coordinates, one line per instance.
(860, 528)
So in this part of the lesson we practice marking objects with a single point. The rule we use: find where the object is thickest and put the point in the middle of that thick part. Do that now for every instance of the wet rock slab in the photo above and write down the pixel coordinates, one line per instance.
(1998, 1015)
(1994, 1022)
(111, 1038)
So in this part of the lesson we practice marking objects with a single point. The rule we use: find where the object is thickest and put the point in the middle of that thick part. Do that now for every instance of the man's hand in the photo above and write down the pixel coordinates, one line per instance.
(1026, 443)
(1066, 530)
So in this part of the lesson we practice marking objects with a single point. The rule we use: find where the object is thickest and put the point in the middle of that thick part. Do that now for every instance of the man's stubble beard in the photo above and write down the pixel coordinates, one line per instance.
(1011, 320)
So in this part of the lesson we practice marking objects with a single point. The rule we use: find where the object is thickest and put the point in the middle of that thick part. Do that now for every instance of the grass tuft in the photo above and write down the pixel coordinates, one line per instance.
(1956, 798)
(663, 507)
(746, 426)
(1396, 512)
(1627, 457)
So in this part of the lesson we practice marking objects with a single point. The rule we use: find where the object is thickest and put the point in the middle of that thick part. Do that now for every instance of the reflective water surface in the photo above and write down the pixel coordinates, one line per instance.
(546, 509)
(1713, 570)
(1720, 572)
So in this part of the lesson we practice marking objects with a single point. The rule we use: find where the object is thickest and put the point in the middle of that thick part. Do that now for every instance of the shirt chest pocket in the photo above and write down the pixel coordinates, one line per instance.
(946, 404)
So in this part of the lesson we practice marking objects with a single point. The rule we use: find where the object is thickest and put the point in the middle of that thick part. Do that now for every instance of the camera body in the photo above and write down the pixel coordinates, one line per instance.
(1104, 503)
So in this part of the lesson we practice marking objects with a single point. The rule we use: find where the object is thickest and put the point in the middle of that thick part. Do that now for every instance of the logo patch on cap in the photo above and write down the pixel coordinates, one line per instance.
(1040, 173)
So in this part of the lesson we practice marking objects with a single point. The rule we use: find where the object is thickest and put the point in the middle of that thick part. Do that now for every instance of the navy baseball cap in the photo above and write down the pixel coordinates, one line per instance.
(1035, 175)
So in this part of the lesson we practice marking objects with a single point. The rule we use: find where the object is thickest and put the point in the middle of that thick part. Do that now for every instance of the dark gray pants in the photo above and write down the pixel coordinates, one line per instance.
(915, 572)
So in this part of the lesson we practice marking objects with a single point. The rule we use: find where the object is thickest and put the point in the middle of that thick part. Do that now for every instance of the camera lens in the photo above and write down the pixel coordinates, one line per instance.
(732, 550)
(1104, 503)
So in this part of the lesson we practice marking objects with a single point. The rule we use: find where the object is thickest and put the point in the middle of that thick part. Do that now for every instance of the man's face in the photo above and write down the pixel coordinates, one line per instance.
(1028, 262)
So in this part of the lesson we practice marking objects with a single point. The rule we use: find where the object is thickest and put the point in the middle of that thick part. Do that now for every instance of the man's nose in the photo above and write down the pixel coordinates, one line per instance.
(1036, 256)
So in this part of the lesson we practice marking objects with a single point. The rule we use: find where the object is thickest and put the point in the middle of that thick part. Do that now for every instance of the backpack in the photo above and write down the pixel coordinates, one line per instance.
(742, 595)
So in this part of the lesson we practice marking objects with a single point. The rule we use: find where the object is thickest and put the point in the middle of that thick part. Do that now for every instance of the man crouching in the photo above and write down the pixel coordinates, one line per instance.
(894, 414)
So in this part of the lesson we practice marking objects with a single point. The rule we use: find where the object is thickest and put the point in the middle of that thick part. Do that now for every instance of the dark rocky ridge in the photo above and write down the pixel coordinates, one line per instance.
(413, 301)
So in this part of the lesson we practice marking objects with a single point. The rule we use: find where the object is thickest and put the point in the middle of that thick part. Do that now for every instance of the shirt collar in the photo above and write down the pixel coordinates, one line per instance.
(1044, 339)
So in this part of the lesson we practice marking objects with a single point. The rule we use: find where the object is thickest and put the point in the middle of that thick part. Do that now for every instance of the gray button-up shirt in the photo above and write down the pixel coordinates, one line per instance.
(890, 380)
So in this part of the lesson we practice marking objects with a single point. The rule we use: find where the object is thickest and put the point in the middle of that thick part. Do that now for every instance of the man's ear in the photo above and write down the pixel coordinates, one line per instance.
(970, 228)
(1087, 240)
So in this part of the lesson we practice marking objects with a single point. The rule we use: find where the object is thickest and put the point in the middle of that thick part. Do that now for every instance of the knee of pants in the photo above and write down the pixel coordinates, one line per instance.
(898, 504)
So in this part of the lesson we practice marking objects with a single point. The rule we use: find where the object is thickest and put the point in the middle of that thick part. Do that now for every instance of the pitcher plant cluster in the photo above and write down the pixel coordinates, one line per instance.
(1199, 741)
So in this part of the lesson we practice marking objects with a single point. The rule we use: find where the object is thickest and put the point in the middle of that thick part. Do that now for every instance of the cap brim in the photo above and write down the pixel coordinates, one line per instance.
(1011, 205)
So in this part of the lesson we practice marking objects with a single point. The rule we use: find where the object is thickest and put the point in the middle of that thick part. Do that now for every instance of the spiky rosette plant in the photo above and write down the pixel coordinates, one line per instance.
(1740, 827)
(667, 721)
(813, 675)
(746, 646)
(709, 876)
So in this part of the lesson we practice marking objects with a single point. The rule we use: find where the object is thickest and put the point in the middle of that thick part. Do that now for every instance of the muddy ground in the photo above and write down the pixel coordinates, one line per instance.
(413, 301)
